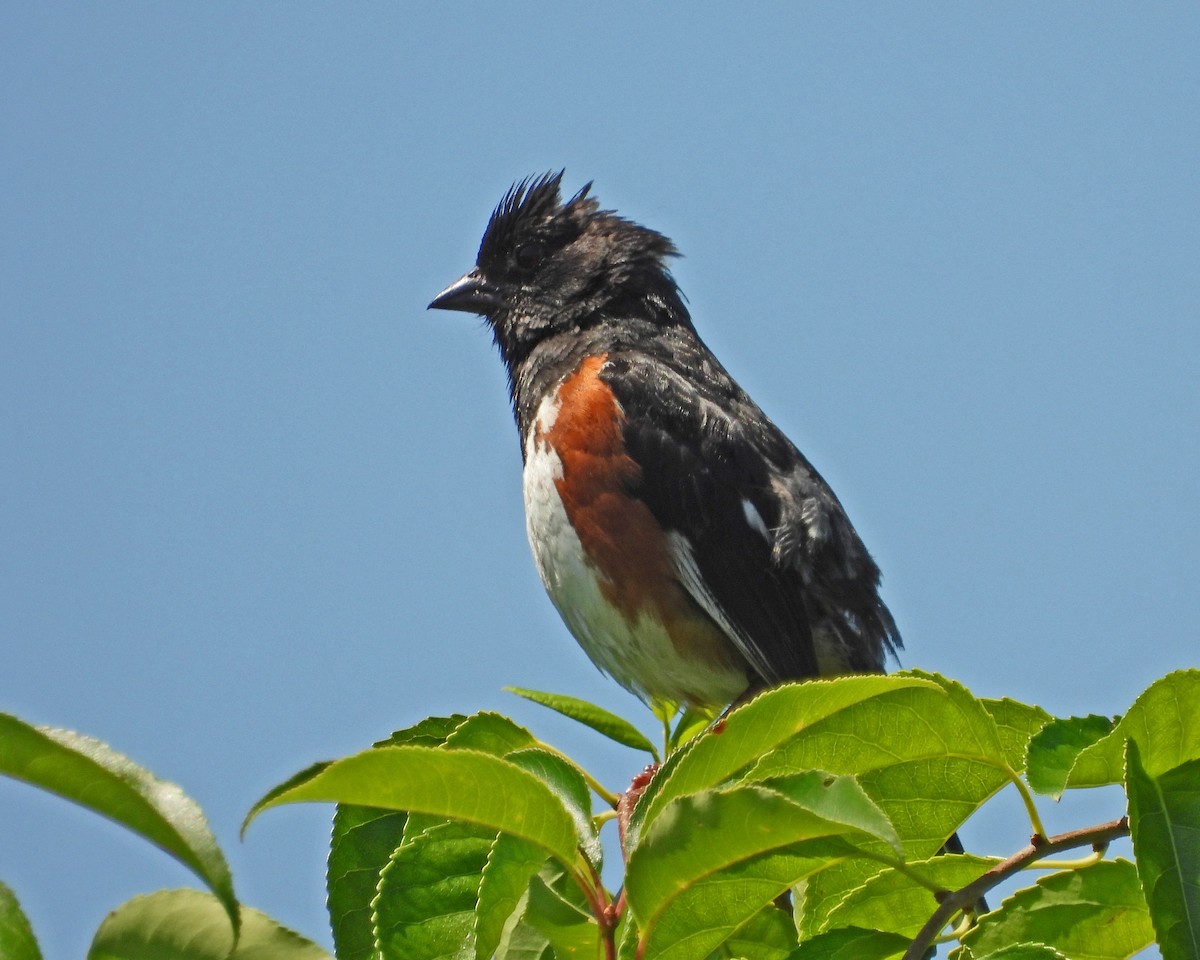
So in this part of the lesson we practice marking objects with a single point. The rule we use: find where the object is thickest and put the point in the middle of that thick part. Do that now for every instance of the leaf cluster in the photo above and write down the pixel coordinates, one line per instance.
(811, 822)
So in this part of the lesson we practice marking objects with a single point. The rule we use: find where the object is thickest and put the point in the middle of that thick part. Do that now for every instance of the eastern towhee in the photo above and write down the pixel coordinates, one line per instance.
(691, 549)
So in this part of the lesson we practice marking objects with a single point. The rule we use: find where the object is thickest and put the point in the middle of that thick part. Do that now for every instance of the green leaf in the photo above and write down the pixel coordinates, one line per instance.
(485, 732)
(928, 755)
(1056, 747)
(361, 845)
(629, 937)
(691, 723)
(1016, 951)
(430, 732)
(428, 894)
(838, 800)
(701, 835)
(570, 931)
(365, 838)
(754, 729)
(502, 889)
(851, 943)
(768, 935)
(95, 776)
(489, 733)
(602, 721)
(926, 751)
(664, 710)
(567, 783)
(711, 909)
(1165, 722)
(191, 925)
(893, 901)
(1095, 913)
(1016, 723)
(819, 894)
(1164, 822)
(553, 921)
(17, 941)
(523, 942)
(456, 784)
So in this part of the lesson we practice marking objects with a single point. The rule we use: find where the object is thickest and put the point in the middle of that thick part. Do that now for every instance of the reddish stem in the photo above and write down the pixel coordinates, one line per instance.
(963, 898)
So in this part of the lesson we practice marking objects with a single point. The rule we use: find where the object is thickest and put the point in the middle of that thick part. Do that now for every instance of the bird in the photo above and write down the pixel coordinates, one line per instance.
(689, 546)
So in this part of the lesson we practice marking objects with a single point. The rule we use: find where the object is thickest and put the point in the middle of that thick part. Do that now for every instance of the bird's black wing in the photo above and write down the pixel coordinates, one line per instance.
(759, 540)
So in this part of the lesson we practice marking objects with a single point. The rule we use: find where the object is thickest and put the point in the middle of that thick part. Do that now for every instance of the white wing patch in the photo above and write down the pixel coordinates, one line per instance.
(754, 518)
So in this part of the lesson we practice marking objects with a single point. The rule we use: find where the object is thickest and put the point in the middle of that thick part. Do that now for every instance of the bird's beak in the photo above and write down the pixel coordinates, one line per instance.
(469, 293)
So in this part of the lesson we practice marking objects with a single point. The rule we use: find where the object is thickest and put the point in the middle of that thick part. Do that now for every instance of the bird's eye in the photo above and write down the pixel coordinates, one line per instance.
(530, 254)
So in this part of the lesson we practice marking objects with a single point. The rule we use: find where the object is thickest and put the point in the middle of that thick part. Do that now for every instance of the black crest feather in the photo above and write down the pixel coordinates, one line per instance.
(533, 207)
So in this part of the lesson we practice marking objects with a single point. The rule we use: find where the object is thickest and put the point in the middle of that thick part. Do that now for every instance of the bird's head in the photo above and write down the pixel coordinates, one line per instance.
(546, 266)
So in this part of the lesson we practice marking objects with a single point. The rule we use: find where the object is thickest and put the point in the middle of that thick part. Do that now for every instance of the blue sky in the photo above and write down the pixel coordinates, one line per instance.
(258, 507)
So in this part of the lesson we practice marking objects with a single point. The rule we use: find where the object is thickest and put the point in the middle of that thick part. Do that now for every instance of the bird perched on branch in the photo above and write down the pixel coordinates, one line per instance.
(691, 549)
